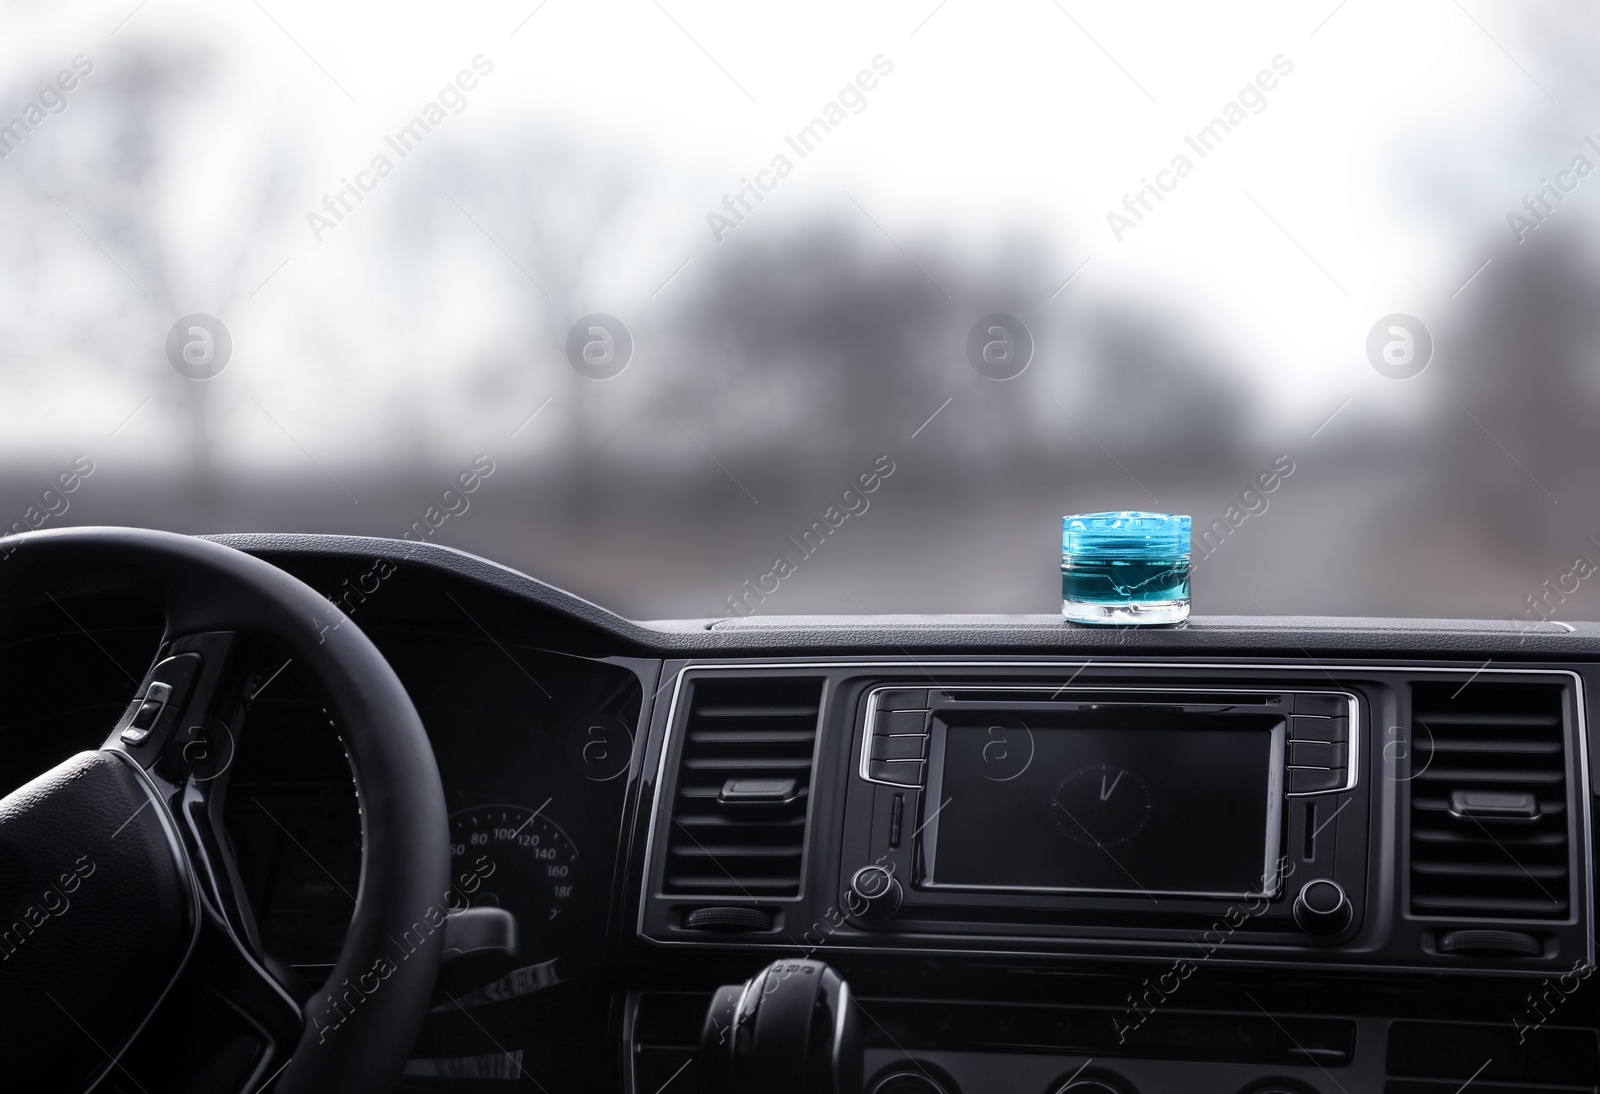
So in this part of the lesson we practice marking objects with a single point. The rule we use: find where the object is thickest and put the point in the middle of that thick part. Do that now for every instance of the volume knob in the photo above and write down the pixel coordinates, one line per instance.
(1322, 907)
(874, 893)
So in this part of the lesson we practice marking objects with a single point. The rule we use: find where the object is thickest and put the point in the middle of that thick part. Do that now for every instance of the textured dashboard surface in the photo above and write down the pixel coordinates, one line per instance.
(1233, 635)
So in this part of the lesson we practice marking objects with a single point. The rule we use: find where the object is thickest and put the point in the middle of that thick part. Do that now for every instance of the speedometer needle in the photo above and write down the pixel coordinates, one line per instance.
(529, 821)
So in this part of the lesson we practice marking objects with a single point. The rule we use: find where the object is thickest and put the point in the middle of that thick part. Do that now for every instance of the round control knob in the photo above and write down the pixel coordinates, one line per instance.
(874, 893)
(1322, 907)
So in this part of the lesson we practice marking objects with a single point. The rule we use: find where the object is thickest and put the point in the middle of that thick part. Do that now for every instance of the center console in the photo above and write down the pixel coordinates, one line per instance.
(1316, 855)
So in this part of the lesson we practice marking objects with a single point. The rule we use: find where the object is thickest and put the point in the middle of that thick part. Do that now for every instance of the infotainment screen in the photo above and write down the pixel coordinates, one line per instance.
(1135, 800)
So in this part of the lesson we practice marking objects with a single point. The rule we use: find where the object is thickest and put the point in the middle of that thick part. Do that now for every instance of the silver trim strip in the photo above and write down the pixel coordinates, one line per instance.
(1353, 761)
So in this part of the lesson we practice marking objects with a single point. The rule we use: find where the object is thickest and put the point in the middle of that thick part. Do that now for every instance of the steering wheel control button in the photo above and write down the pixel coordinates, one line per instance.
(874, 893)
(1322, 908)
(146, 712)
(154, 701)
(166, 689)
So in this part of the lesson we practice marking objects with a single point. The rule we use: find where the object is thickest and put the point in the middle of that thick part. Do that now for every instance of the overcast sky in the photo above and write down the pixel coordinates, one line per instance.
(1373, 177)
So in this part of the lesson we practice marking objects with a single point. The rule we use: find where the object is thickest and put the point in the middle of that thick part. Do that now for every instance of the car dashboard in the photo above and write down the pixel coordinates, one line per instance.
(1238, 856)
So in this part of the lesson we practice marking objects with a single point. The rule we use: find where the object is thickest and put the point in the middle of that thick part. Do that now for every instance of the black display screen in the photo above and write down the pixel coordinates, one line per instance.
(1142, 801)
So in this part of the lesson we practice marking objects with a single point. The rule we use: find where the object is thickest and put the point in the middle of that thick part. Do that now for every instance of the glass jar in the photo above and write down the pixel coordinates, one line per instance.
(1125, 568)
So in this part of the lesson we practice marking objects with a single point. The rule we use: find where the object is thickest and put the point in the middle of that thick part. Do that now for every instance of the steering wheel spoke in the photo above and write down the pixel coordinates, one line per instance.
(183, 729)
(226, 1025)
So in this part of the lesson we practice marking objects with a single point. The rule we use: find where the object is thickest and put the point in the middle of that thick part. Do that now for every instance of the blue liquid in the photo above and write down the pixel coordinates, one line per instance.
(1124, 581)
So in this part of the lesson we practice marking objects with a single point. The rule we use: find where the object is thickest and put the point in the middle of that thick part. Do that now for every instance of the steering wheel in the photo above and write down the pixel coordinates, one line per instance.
(127, 948)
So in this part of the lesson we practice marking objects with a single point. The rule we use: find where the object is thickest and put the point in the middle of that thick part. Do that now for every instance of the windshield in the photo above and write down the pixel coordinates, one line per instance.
(706, 309)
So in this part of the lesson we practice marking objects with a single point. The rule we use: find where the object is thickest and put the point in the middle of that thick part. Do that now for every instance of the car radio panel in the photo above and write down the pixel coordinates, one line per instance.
(1041, 809)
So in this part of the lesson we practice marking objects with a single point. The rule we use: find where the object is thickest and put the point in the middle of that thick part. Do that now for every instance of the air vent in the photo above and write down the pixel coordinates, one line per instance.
(1489, 807)
(738, 823)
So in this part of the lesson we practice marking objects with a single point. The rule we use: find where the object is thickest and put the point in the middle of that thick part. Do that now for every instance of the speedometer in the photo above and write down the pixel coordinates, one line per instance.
(527, 864)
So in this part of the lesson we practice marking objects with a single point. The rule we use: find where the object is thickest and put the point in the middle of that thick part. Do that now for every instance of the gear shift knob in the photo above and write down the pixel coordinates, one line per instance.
(790, 1029)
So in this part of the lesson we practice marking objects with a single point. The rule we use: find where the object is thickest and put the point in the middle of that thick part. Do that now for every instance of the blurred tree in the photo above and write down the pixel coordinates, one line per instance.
(1514, 433)
(825, 340)
(548, 203)
(820, 340)
(1152, 387)
(106, 193)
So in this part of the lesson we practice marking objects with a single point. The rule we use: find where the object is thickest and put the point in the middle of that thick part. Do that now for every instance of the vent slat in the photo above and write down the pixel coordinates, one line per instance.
(753, 736)
(747, 763)
(737, 851)
(1488, 737)
(1440, 805)
(1477, 907)
(1535, 839)
(1541, 748)
(713, 885)
(742, 728)
(1486, 869)
(758, 713)
(1490, 775)
(1438, 716)
(686, 791)
(709, 820)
